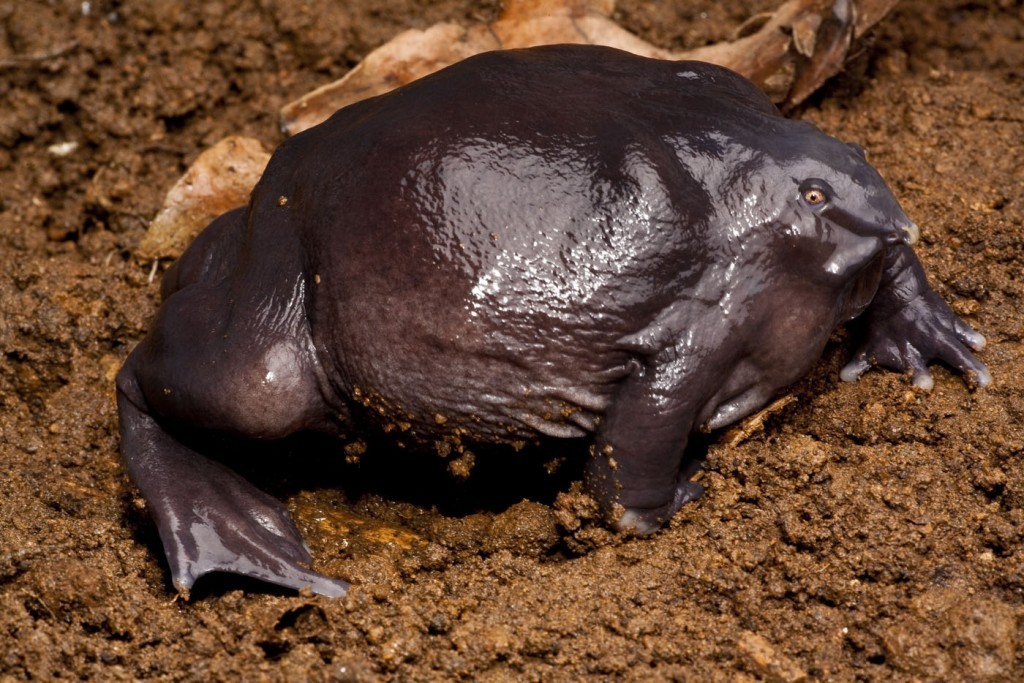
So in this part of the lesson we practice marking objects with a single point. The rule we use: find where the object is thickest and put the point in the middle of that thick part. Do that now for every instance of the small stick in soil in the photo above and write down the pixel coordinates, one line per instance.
(37, 58)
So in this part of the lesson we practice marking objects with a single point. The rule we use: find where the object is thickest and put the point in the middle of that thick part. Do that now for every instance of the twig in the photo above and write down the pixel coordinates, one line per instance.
(38, 57)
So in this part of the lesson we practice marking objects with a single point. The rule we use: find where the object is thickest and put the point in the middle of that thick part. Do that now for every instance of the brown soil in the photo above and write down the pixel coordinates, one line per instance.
(868, 532)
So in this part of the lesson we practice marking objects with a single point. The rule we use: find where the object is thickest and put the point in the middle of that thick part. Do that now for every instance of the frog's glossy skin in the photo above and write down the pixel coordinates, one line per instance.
(564, 241)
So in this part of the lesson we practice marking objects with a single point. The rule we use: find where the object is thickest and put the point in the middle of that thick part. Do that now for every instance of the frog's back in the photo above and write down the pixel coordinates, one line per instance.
(534, 155)
(496, 230)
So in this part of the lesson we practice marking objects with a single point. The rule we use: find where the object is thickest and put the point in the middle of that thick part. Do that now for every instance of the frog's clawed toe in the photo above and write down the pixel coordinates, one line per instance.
(644, 521)
(922, 330)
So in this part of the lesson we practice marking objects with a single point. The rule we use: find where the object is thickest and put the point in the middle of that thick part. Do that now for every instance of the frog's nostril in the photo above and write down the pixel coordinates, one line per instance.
(895, 237)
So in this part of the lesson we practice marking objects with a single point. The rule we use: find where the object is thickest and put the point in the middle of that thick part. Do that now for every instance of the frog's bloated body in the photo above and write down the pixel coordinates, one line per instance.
(564, 241)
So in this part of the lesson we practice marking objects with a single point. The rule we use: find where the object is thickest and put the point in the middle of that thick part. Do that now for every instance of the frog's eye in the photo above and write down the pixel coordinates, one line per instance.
(815, 192)
(814, 196)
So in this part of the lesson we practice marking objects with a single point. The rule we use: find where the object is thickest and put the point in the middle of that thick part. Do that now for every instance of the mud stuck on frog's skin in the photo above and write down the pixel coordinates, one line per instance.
(565, 242)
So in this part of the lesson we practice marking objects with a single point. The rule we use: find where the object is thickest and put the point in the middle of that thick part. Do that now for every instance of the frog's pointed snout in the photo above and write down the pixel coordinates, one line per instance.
(911, 233)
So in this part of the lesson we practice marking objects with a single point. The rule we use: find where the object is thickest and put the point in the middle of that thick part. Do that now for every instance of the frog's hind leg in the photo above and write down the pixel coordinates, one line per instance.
(217, 364)
(210, 256)
(210, 518)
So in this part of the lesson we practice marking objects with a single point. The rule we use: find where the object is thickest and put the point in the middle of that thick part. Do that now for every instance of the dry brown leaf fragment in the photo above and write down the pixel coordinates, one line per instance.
(219, 180)
(788, 53)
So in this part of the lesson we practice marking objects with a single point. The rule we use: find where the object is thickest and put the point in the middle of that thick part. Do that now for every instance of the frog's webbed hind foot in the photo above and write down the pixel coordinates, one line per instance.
(222, 523)
(210, 519)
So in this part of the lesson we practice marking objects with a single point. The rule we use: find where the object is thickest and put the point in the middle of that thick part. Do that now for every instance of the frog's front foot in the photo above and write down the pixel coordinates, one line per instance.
(644, 521)
(919, 331)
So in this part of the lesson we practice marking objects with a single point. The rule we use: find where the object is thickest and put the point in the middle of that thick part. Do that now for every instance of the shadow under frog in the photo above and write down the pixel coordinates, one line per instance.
(565, 241)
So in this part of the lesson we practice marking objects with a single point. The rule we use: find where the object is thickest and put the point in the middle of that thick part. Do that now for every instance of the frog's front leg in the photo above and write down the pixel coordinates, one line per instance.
(637, 471)
(908, 325)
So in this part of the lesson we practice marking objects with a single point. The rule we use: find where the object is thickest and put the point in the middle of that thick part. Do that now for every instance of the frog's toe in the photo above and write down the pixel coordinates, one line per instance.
(956, 355)
(968, 335)
(636, 521)
(270, 564)
(922, 379)
(645, 521)
(857, 366)
(952, 343)
(913, 361)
